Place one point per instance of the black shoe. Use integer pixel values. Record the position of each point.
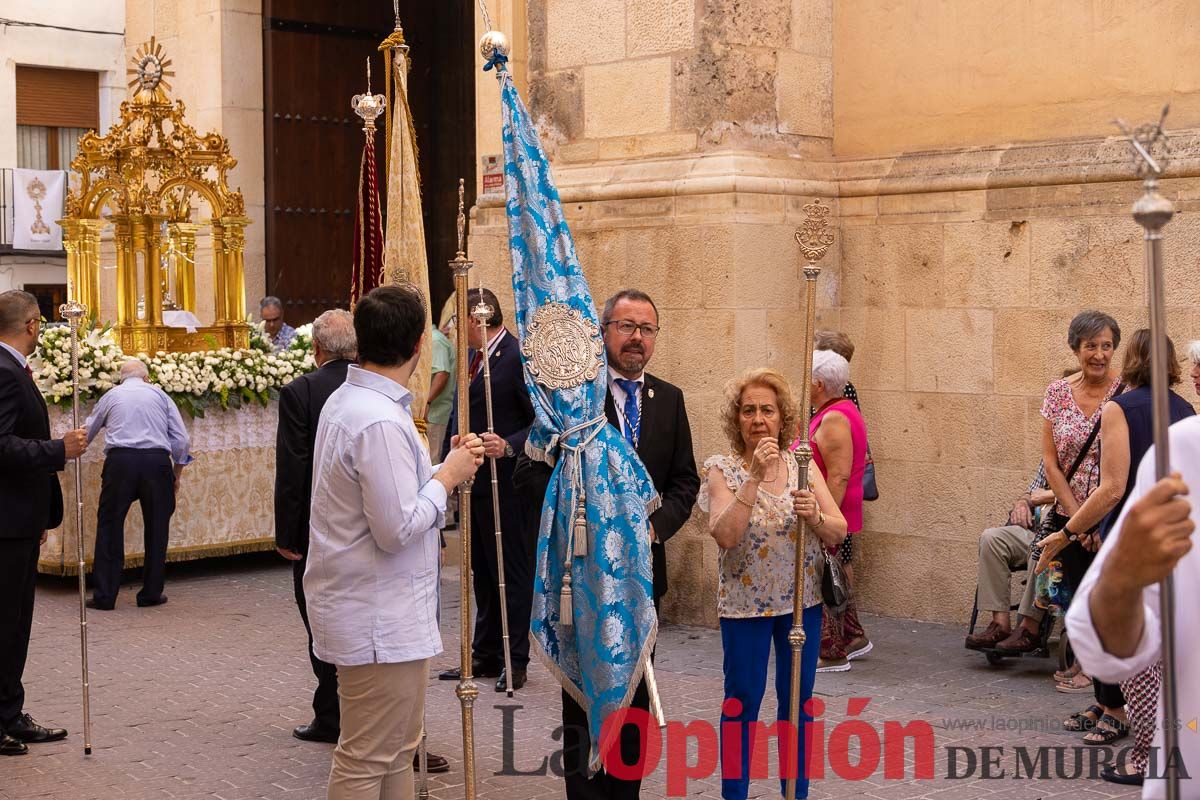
(28, 731)
(1113, 775)
(92, 604)
(12, 747)
(434, 764)
(315, 733)
(479, 669)
(519, 678)
(158, 601)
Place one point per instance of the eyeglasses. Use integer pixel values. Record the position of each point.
(626, 328)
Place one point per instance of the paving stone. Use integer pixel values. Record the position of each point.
(197, 699)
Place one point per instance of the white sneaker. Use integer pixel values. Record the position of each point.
(833, 665)
(859, 647)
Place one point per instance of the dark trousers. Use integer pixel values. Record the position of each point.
(577, 746)
(520, 547)
(147, 477)
(1108, 695)
(18, 575)
(326, 709)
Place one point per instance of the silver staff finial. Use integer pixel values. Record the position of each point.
(1150, 143)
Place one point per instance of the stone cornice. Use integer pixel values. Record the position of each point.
(1033, 164)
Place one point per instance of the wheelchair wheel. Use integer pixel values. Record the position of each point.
(993, 658)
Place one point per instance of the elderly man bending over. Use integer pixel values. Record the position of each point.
(145, 450)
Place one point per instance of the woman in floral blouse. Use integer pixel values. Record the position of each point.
(753, 500)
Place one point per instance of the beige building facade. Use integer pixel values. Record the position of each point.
(980, 195)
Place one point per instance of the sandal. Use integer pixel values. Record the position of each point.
(1064, 675)
(1080, 684)
(1115, 731)
(1083, 720)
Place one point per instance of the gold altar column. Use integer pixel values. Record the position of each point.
(150, 226)
(234, 267)
(184, 236)
(220, 291)
(126, 276)
(81, 240)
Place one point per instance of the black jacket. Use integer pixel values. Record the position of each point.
(665, 447)
(29, 490)
(300, 404)
(512, 412)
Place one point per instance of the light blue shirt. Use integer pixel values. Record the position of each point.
(371, 583)
(140, 416)
(20, 357)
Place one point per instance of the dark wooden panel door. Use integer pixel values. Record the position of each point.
(315, 55)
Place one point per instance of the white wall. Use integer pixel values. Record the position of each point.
(51, 47)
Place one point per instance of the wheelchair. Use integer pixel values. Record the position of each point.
(1059, 648)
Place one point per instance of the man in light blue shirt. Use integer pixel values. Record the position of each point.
(371, 582)
(146, 448)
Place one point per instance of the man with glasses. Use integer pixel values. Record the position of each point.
(650, 414)
(32, 501)
(278, 332)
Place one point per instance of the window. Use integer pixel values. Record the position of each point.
(54, 108)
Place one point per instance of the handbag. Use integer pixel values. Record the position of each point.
(835, 590)
(870, 489)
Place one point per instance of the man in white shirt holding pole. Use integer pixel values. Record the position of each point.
(1114, 622)
(372, 575)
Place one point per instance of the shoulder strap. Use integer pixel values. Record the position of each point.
(1087, 445)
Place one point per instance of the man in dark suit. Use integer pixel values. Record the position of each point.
(650, 414)
(300, 404)
(513, 414)
(32, 501)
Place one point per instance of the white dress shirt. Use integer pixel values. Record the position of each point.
(372, 577)
(140, 416)
(20, 357)
(1099, 663)
(618, 396)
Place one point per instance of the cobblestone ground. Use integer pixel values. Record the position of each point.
(197, 698)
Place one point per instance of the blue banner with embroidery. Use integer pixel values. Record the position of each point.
(593, 621)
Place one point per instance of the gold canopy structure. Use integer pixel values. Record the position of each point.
(145, 172)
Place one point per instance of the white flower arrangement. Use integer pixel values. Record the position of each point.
(225, 378)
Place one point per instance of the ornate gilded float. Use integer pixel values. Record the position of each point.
(145, 173)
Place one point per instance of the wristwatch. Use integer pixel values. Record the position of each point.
(508, 451)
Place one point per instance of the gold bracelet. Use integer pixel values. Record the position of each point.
(820, 519)
(738, 496)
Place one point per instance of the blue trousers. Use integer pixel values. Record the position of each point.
(747, 650)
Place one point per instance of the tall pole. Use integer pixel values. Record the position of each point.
(73, 312)
(467, 690)
(814, 239)
(482, 312)
(1153, 211)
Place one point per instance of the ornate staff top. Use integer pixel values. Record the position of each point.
(813, 235)
(1150, 143)
(462, 220)
(368, 106)
(73, 312)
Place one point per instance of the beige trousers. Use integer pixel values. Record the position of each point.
(435, 432)
(382, 709)
(1001, 550)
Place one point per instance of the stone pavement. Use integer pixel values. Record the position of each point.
(197, 698)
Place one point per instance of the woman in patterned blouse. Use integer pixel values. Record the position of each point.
(753, 501)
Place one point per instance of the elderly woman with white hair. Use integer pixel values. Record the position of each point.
(839, 441)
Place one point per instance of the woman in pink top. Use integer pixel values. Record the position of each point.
(839, 442)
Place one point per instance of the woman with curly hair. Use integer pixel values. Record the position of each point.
(754, 501)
